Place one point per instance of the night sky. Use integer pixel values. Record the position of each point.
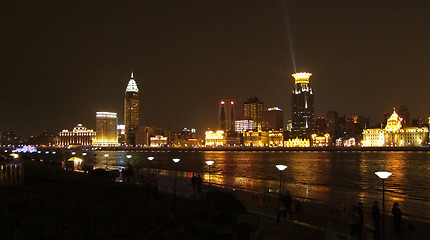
(62, 61)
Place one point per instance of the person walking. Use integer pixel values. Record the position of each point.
(199, 182)
(288, 204)
(376, 216)
(357, 220)
(397, 218)
(193, 182)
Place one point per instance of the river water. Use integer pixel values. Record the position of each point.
(343, 177)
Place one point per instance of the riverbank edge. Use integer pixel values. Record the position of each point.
(245, 149)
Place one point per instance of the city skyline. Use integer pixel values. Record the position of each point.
(63, 62)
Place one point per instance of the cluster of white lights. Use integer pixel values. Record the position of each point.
(106, 115)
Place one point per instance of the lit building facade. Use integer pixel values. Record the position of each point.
(226, 115)
(296, 142)
(158, 141)
(253, 109)
(131, 111)
(106, 129)
(302, 112)
(256, 138)
(276, 139)
(244, 125)
(395, 135)
(321, 141)
(215, 139)
(79, 136)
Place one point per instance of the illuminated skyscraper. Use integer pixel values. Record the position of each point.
(106, 129)
(253, 109)
(302, 111)
(131, 111)
(226, 115)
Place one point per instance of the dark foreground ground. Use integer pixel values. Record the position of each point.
(57, 204)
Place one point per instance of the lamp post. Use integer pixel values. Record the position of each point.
(209, 163)
(106, 157)
(281, 168)
(175, 160)
(150, 158)
(383, 175)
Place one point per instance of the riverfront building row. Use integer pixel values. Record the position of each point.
(395, 134)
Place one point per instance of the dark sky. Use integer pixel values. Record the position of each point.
(61, 61)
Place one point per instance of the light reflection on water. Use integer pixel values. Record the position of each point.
(337, 177)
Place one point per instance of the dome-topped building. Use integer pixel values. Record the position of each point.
(395, 134)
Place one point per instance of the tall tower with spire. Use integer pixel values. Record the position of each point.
(302, 109)
(131, 111)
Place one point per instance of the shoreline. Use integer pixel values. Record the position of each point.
(241, 149)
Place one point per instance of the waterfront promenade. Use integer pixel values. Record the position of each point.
(311, 219)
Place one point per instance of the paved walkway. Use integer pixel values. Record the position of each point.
(310, 220)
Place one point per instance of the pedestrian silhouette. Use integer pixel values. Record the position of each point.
(376, 216)
(193, 182)
(397, 218)
(357, 220)
(199, 182)
(286, 202)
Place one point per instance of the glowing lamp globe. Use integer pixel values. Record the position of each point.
(84, 154)
(383, 175)
(176, 160)
(150, 158)
(106, 155)
(73, 153)
(209, 163)
(281, 167)
(128, 156)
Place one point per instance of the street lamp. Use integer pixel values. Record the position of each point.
(106, 156)
(281, 168)
(383, 175)
(128, 156)
(209, 163)
(73, 153)
(84, 154)
(150, 158)
(176, 160)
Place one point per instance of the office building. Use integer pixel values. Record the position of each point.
(243, 125)
(302, 111)
(253, 109)
(106, 129)
(273, 119)
(131, 111)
